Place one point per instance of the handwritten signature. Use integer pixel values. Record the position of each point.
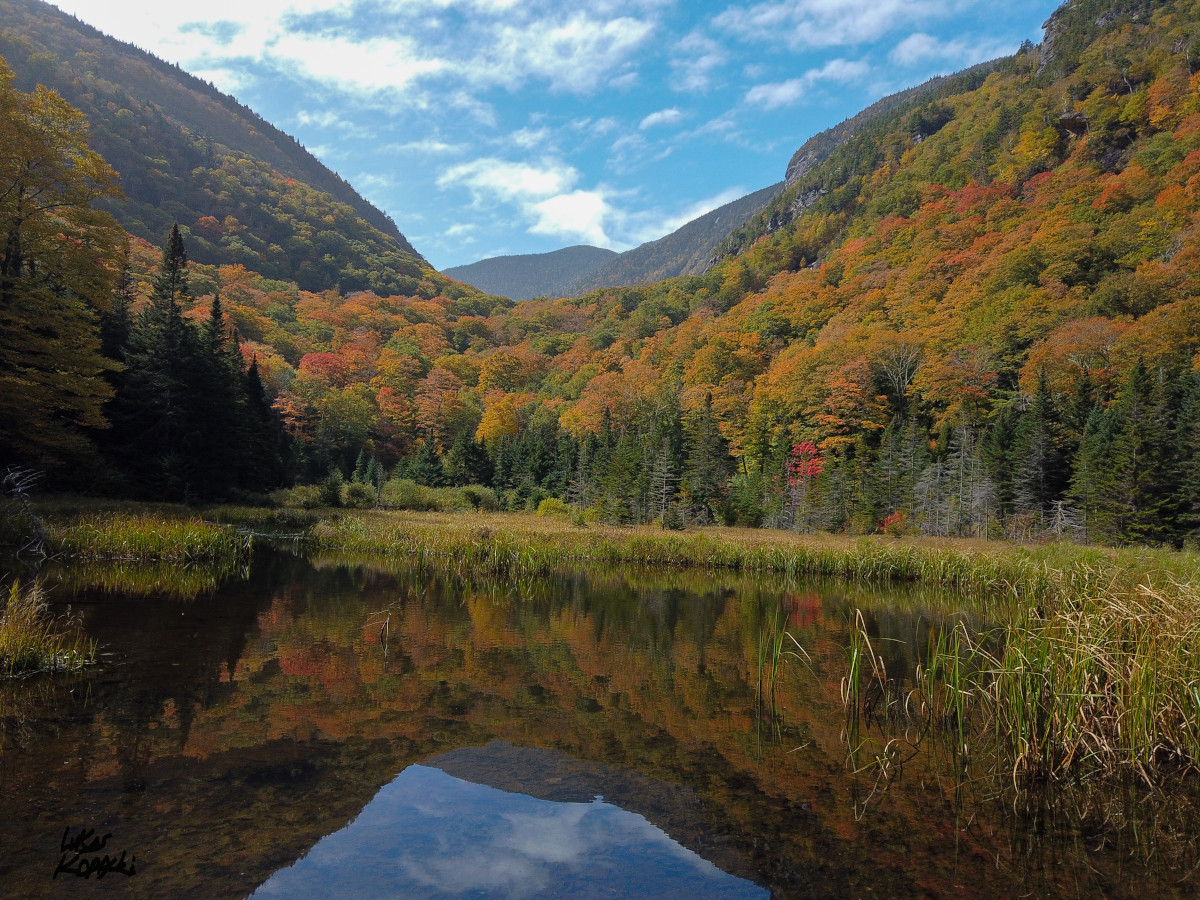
(82, 856)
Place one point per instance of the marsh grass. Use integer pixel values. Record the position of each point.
(180, 538)
(32, 640)
(1102, 682)
(516, 544)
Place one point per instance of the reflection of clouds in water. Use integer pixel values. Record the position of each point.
(430, 834)
(475, 870)
(557, 834)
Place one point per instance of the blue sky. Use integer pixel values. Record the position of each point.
(489, 127)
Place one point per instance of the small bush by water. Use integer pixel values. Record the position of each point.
(32, 640)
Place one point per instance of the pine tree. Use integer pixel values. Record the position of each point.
(426, 466)
(158, 390)
(218, 418)
(1187, 473)
(1142, 456)
(664, 482)
(1041, 473)
(262, 464)
(1092, 478)
(707, 464)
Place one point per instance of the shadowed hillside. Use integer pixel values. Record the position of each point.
(533, 274)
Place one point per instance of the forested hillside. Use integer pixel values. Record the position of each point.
(241, 190)
(978, 316)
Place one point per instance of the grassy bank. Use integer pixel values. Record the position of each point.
(514, 544)
(1094, 662)
(80, 528)
(146, 536)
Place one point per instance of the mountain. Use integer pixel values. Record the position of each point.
(575, 271)
(242, 190)
(532, 275)
(819, 147)
(685, 251)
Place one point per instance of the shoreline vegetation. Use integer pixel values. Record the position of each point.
(1093, 661)
(32, 640)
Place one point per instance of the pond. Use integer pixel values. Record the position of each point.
(333, 727)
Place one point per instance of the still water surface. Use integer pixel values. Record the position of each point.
(341, 728)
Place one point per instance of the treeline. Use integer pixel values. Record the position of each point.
(986, 325)
(1116, 464)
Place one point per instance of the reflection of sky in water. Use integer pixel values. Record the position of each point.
(427, 834)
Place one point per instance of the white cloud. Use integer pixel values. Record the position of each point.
(662, 117)
(693, 61)
(229, 80)
(544, 194)
(370, 66)
(596, 127)
(786, 93)
(428, 146)
(574, 55)
(826, 23)
(529, 138)
(508, 181)
(474, 43)
(920, 48)
(580, 214)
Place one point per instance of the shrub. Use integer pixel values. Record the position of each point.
(404, 493)
(331, 489)
(302, 496)
(552, 506)
(358, 495)
(480, 497)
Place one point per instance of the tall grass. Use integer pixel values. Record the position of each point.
(32, 640)
(513, 544)
(147, 536)
(1102, 681)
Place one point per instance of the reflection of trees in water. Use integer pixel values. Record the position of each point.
(282, 688)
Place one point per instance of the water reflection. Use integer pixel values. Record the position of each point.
(228, 735)
(430, 834)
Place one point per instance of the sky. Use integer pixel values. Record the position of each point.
(494, 127)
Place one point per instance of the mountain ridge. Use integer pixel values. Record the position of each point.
(527, 275)
(213, 158)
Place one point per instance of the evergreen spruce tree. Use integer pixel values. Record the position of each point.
(1187, 469)
(707, 464)
(1140, 499)
(426, 466)
(998, 452)
(219, 416)
(467, 462)
(664, 483)
(1092, 480)
(1041, 471)
(262, 459)
(157, 396)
